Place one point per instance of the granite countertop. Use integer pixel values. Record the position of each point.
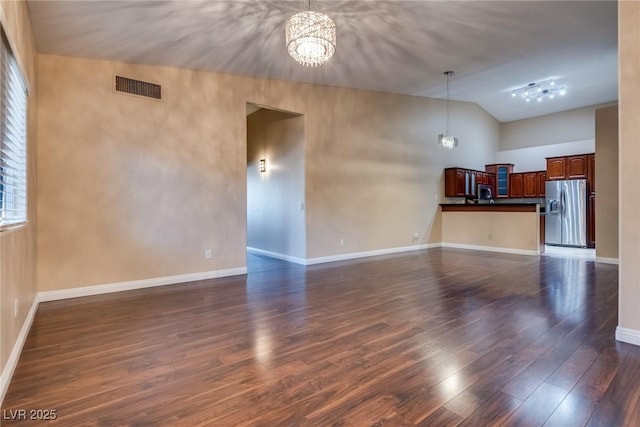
(491, 207)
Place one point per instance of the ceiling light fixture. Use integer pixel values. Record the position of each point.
(310, 37)
(539, 90)
(444, 139)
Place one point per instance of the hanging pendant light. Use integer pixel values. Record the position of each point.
(310, 37)
(444, 139)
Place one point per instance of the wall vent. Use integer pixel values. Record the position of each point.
(137, 87)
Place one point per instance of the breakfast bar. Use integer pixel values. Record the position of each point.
(499, 227)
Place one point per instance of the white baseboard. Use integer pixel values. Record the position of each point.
(355, 255)
(605, 260)
(630, 336)
(137, 284)
(12, 362)
(490, 249)
(277, 255)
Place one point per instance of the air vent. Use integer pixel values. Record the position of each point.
(137, 87)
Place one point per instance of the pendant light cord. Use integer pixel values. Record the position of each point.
(448, 74)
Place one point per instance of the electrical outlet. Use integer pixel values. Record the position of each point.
(416, 236)
(341, 242)
(15, 308)
(208, 254)
(302, 206)
(490, 236)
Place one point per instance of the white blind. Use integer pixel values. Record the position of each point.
(13, 145)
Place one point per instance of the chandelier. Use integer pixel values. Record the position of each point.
(310, 37)
(539, 90)
(444, 139)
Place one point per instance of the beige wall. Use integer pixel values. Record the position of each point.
(558, 128)
(505, 230)
(629, 156)
(606, 184)
(17, 247)
(133, 188)
(275, 220)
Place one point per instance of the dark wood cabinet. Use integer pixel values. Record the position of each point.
(454, 182)
(502, 172)
(516, 185)
(461, 182)
(568, 167)
(591, 172)
(484, 178)
(576, 166)
(492, 182)
(541, 178)
(556, 168)
(591, 221)
(530, 184)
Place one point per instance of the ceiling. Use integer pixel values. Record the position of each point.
(392, 46)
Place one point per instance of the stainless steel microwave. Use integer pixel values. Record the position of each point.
(484, 192)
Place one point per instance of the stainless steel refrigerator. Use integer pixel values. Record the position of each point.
(566, 213)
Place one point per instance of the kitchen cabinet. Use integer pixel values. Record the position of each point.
(556, 168)
(461, 182)
(516, 185)
(591, 172)
(502, 172)
(568, 167)
(541, 178)
(492, 183)
(455, 182)
(577, 166)
(530, 184)
(591, 221)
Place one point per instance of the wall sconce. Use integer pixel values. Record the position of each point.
(263, 165)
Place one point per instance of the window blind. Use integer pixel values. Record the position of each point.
(13, 143)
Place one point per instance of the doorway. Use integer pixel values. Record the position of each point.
(276, 222)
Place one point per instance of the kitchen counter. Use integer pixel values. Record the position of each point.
(500, 227)
(490, 207)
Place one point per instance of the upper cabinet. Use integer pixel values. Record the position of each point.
(577, 166)
(568, 167)
(527, 184)
(541, 178)
(591, 172)
(556, 168)
(516, 185)
(460, 182)
(502, 172)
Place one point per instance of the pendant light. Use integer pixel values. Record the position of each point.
(310, 37)
(444, 139)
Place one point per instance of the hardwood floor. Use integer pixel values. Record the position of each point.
(440, 337)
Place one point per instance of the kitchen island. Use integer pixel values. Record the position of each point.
(498, 227)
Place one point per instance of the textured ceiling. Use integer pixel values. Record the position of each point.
(393, 46)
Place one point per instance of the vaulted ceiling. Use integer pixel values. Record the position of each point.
(385, 45)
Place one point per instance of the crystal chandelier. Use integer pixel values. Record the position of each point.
(311, 37)
(539, 90)
(444, 139)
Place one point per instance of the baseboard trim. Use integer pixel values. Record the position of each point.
(137, 284)
(377, 252)
(490, 249)
(606, 260)
(630, 336)
(12, 361)
(277, 255)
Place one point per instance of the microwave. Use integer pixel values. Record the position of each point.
(484, 192)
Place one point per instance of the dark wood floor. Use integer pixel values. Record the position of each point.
(438, 337)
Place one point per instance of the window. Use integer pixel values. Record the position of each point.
(13, 142)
